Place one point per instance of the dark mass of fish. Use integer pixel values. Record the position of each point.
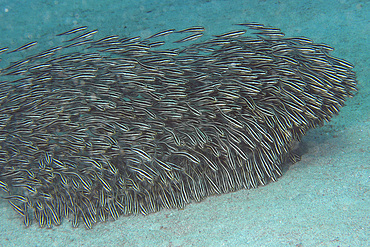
(94, 129)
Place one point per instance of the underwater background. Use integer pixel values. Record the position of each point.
(322, 200)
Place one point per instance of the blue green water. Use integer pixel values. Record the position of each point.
(323, 200)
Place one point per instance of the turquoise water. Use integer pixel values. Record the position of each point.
(323, 200)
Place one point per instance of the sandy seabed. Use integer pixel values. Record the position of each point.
(323, 200)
